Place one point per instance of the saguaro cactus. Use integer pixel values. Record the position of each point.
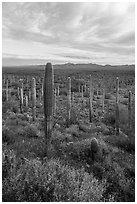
(69, 99)
(21, 100)
(55, 100)
(82, 92)
(103, 97)
(48, 97)
(26, 101)
(7, 90)
(85, 88)
(117, 106)
(34, 99)
(90, 99)
(73, 96)
(129, 110)
(58, 90)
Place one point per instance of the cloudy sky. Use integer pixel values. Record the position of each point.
(34, 33)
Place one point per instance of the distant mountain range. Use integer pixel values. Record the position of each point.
(69, 67)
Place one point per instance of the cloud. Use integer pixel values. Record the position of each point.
(77, 29)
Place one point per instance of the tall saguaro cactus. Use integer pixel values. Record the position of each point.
(103, 97)
(69, 99)
(58, 90)
(55, 100)
(48, 97)
(117, 106)
(129, 110)
(21, 100)
(90, 99)
(7, 90)
(34, 99)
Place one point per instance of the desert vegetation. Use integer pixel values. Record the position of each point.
(68, 135)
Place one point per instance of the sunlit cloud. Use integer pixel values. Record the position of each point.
(102, 33)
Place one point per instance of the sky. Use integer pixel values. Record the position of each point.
(68, 32)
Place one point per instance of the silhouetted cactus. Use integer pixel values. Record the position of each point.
(94, 147)
(117, 106)
(69, 100)
(58, 91)
(21, 100)
(129, 110)
(34, 99)
(48, 97)
(26, 101)
(90, 99)
(103, 97)
(7, 90)
(55, 101)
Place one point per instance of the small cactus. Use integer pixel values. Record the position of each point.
(7, 90)
(55, 101)
(34, 98)
(48, 97)
(117, 106)
(21, 100)
(129, 110)
(103, 97)
(90, 100)
(94, 148)
(69, 99)
(58, 91)
(26, 101)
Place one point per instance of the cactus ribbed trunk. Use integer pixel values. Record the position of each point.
(26, 101)
(103, 97)
(97, 91)
(85, 88)
(34, 99)
(129, 111)
(58, 90)
(55, 101)
(117, 106)
(69, 100)
(90, 100)
(79, 88)
(73, 96)
(7, 90)
(82, 92)
(48, 97)
(21, 100)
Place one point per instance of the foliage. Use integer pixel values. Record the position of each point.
(50, 182)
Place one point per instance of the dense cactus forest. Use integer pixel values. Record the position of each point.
(68, 134)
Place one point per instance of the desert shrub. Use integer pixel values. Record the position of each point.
(11, 105)
(73, 130)
(127, 144)
(58, 137)
(8, 161)
(7, 135)
(109, 118)
(63, 91)
(86, 94)
(51, 182)
(124, 101)
(107, 96)
(3, 96)
(29, 131)
(126, 95)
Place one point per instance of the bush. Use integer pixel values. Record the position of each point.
(51, 182)
(11, 105)
(29, 131)
(107, 96)
(63, 91)
(7, 135)
(8, 161)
